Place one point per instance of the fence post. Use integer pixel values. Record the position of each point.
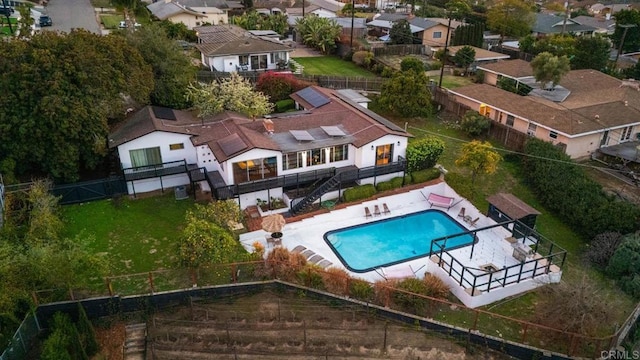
(234, 276)
(34, 296)
(109, 287)
(524, 332)
(475, 320)
(151, 281)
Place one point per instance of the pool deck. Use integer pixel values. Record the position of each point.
(492, 247)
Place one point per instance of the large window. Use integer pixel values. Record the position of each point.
(258, 62)
(531, 131)
(339, 153)
(145, 157)
(278, 56)
(255, 169)
(384, 154)
(626, 133)
(315, 157)
(244, 59)
(437, 34)
(510, 120)
(291, 160)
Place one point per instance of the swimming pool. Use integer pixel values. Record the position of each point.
(389, 241)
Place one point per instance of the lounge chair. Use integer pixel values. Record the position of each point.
(324, 263)
(461, 214)
(376, 210)
(308, 254)
(298, 249)
(367, 212)
(474, 221)
(385, 209)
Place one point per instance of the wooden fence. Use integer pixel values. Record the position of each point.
(416, 49)
(332, 82)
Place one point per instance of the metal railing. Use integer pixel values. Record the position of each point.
(151, 171)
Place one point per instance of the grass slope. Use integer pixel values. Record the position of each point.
(136, 236)
(330, 65)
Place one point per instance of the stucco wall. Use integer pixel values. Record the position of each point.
(192, 21)
(163, 140)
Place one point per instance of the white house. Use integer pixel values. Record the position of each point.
(330, 137)
(230, 48)
(192, 13)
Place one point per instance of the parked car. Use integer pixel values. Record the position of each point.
(123, 25)
(45, 20)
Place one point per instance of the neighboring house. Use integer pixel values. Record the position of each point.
(428, 31)
(332, 141)
(192, 13)
(601, 24)
(548, 24)
(482, 56)
(230, 48)
(515, 69)
(601, 9)
(359, 26)
(320, 8)
(589, 110)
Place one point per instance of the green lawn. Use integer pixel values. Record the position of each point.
(136, 236)
(452, 82)
(111, 21)
(331, 65)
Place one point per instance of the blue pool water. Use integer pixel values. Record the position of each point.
(365, 247)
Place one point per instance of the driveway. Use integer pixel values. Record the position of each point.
(72, 14)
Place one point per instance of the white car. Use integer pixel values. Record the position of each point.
(123, 25)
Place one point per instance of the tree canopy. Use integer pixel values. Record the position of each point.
(400, 33)
(407, 94)
(253, 20)
(464, 57)
(511, 18)
(549, 69)
(632, 38)
(319, 33)
(172, 69)
(58, 92)
(234, 94)
(479, 157)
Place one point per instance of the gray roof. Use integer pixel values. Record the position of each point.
(353, 95)
(220, 4)
(216, 34)
(599, 23)
(552, 24)
(163, 10)
(330, 5)
(358, 23)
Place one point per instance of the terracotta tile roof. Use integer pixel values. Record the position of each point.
(511, 205)
(360, 124)
(512, 68)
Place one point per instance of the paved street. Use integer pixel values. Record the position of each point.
(72, 14)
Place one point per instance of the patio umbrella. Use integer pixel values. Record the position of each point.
(273, 224)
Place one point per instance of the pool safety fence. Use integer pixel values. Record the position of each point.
(158, 289)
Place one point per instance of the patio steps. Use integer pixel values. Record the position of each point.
(298, 68)
(135, 343)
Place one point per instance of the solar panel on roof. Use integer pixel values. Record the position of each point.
(301, 135)
(333, 131)
(232, 144)
(163, 113)
(313, 97)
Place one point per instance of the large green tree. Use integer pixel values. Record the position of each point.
(234, 93)
(465, 57)
(400, 33)
(58, 92)
(511, 18)
(319, 33)
(591, 53)
(632, 37)
(479, 157)
(253, 20)
(407, 94)
(548, 69)
(172, 68)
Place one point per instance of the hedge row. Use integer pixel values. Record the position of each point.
(366, 191)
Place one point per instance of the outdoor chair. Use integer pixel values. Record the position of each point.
(473, 222)
(461, 214)
(376, 210)
(367, 212)
(385, 209)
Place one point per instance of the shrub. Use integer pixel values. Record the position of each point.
(311, 276)
(461, 183)
(359, 192)
(389, 185)
(425, 175)
(413, 64)
(475, 124)
(283, 264)
(278, 86)
(386, 72)
(435, 287)
(362, 58)
(383, 290)
(285, 105)
(336, 281)
(360, 289)
(435, 65)
(625, 265)
(424, 153)
(602, 248)
(411, 301)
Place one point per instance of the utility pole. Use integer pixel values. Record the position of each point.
(444, 56)
(624, 34)
(353, 13)
(566, 15)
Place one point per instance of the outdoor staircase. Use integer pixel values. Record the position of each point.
(315, 195)
(135, 342)
(298, 68)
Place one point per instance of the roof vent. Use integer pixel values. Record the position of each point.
(597, 116)
(269, 126)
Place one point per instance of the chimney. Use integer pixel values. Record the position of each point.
(268, 125)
